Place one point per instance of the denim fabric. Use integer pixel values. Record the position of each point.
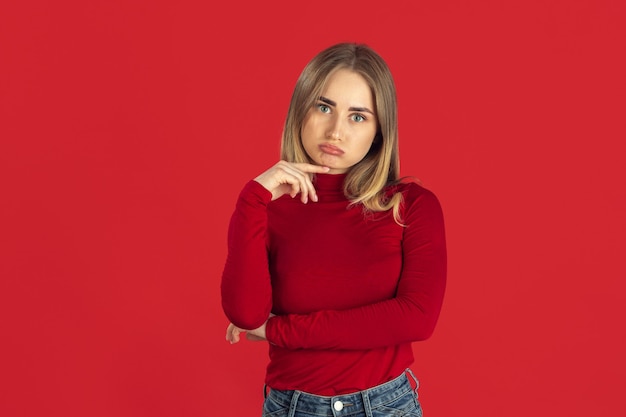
(395, 398)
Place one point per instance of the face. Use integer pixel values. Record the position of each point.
(339, 129)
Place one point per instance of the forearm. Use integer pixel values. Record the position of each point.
(408, 317)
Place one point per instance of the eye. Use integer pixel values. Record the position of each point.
(323, 108)
(358, 117)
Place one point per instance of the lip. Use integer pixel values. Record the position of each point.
(330, 149)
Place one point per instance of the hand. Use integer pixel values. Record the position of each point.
(233, 333)
(291, 178)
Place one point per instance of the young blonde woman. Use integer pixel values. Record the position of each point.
(333, 259)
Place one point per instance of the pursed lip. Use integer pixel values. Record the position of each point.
(330, 149)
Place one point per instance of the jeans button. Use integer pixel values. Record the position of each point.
(338, 406)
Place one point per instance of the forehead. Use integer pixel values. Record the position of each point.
(347, 87)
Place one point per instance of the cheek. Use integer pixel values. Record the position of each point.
(305, 135)
(366, 148)
(366, 141)
(310, 129)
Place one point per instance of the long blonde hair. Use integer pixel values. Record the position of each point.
(365, 182)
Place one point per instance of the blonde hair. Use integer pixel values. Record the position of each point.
(365, 182)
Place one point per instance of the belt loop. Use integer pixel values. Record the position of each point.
(417, 382)
(264, 391)
(294, 402)
(367, 407)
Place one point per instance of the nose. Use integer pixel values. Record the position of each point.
(335, 129)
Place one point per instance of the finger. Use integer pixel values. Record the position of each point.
(298, 180)
(291, 178)
(310, 168)
(287, 174)
(229, 332)
(232, 333)
(235, 336)
(302, 173)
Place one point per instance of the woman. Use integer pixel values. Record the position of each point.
(343, 278)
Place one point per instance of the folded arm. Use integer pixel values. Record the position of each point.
(410, 316)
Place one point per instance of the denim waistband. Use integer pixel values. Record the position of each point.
(347, 404)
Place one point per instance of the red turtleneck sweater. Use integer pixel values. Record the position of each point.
(350, 290)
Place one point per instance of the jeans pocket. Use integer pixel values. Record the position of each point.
(404, 406)
(272, 408)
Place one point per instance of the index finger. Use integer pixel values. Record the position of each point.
(310, 168)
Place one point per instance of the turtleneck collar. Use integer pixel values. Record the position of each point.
(329, 185)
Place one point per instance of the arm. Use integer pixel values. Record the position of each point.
(410, 316)
(246, 285)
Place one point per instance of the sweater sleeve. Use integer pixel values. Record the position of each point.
(410, 316)
(246, 287)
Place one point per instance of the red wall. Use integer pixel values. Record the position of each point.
(128, 128)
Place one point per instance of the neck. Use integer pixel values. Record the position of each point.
(329, 184)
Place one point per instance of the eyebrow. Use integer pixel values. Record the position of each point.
(332, 103)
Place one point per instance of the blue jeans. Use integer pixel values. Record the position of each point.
(395, 398)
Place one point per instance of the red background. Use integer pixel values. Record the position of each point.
(128, 128)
